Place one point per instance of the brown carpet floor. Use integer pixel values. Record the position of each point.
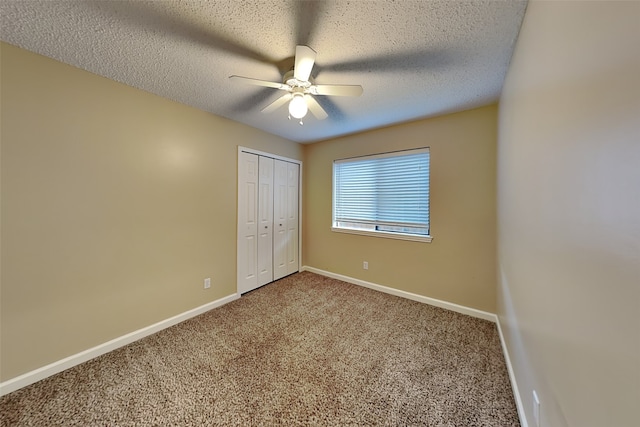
(306, 350)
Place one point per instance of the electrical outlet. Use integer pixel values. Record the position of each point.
(536, 409)
(365, 265)
(207, 283)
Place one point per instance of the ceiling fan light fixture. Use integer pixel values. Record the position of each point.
(298, 106)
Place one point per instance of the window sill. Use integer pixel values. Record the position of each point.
(383, 234)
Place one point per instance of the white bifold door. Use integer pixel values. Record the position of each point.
(267, 220)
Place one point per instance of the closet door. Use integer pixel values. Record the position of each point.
(280, 217)
(293, 179)
(285, 240)
(247, 222)
(265, 221)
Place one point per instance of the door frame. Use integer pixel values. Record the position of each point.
(242, 149)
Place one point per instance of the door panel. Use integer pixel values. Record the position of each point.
(293, 179)
(265, 221)
(247, 222)
(280, 220)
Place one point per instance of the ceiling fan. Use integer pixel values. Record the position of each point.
(300, 88)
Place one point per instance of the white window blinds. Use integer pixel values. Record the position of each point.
(385, 193)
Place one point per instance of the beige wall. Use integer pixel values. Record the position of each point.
(459, 265)
(116, 204)
(569, 212)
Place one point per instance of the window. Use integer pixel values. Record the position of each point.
(385, 195)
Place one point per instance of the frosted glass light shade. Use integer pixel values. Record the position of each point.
(298, 107)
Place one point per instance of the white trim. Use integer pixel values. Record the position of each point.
(512, 377)
(78, 358)
(386, 155)
(265, 154)
(387, 235)
(415, 297)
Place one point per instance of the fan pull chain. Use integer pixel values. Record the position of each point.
(301, 124)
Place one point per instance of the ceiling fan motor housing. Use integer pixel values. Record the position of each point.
(290, 80)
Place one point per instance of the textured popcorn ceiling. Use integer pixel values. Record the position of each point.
(414, 59)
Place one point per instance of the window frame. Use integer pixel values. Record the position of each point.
(427, 238)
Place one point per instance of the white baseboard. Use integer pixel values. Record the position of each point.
(415, 297)
(76, 359)
(512, 377)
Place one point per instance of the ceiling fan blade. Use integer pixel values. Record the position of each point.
(260, 82)
(336, 90)
(399, 61)
(259, 96)
(307, 16)
(315, 108)
(305, 58)
(156, 16)
(277, 103)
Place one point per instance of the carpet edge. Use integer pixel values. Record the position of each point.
(41, 373)
(473, 312)
(492, 317)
